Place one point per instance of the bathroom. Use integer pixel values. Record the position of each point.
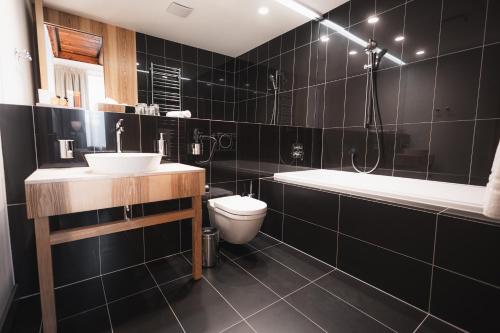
(346, 153)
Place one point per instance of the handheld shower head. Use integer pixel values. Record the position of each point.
(273, 81)
(379, 56)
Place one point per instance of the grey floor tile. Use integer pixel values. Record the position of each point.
(24, 316)
(433, 325)
(331, 313)
(281, 317)
(198, 306)
(274, 275)
(127, 282)
(170, 268)
(389, 310)
(144, 312)
(95, 321)
(240, 328)
(243, 291)
(299, 262)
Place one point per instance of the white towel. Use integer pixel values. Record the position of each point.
(179, 114)
(491, 207)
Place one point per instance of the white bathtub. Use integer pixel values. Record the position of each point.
(447, 195)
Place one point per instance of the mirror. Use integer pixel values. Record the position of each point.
(75, 68)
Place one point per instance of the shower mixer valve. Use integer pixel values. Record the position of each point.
(297, 152)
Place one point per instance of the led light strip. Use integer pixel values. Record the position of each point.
(311, 14)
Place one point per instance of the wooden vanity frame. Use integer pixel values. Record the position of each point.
(45, 199)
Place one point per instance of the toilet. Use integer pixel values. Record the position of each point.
(237, 218)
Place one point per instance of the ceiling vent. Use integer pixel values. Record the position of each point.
(179, 10)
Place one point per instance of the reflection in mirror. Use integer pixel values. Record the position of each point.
(75, 68)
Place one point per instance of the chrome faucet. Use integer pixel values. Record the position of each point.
(119, 130)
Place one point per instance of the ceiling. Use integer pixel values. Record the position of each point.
(230, 27)
(74, 45)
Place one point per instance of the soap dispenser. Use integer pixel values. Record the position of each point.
(162, 145)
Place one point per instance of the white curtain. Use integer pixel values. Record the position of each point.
(73, 79)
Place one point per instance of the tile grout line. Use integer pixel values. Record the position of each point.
(277, 301)
(224, 298)
(278, 295)
(166, 300)
(399, 94)
(433, 262)
(354, 307)
(107, 306)
(421, 323)
(434, 91)
(478, 90)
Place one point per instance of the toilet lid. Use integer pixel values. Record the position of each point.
(238, 205)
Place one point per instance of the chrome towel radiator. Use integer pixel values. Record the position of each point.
(166, 88)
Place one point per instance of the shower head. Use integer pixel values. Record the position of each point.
(273, 81)
(379, 56)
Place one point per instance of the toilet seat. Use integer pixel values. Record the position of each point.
(239, 206)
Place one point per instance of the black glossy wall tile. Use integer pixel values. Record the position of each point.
(405, 278)
(154, 45)
(334, 104)
(336, 55)
(422, 25)
(447, 164)
(489, 99)
(412, 147)
(106, 123)
(386, 142)
(361, 10)
(323, 206)
(18, 163)
(273, 224)
(89, 294)
(355, 101)
(161, 240)
(272, 194)
(457, 72)
(417, 91)
(462, 25)
(486, 138)
(22, 239)
(269, 149)
(353, 142)
(468, 248)
(332, 148)
(248, 151)
(223, 165)
(408, 231)
(288, 138)
(492, 26)
(53, 124)
(316, 241)
(464, 302)
(311, 140)
(122, 249)
(84, 252)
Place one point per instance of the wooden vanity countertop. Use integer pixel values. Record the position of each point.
(52, 192)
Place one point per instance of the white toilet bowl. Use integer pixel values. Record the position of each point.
(237, 218)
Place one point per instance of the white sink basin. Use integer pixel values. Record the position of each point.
(123, 163)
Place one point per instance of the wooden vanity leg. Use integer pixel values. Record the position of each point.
(45, 274)
(196, 237)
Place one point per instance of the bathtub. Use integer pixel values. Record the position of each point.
(447, 195)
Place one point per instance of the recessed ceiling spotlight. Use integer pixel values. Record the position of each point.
(263, 10)
(399, 38)
(353, 52)
(324, 38)
(373, 19)
(420, 52)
